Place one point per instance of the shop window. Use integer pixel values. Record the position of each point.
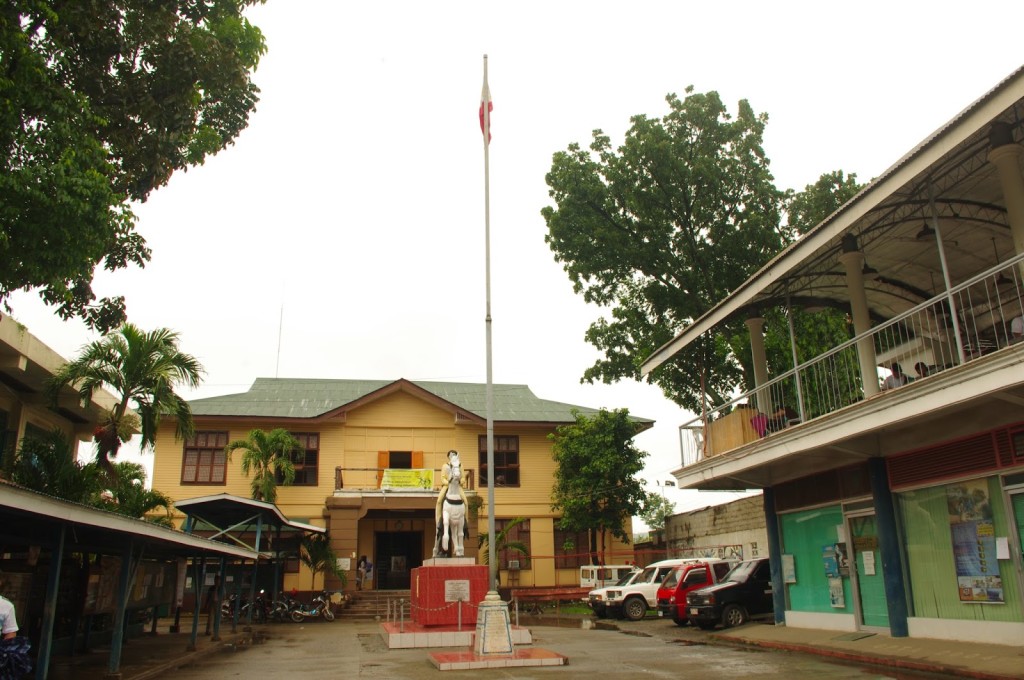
(805, 535)
(949, 536)
(204, 460)
(506, 460)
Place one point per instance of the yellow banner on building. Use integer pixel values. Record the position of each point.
(395, 478)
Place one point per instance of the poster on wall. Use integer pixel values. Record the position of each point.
(828, 557)
(788, 569)
(835, 593)
(974, 542)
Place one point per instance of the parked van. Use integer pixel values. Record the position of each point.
(598, 576)
(685, 578)
(634, 599)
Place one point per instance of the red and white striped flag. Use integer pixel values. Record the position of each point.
(486, 106)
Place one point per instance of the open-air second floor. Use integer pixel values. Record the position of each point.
(925, 267)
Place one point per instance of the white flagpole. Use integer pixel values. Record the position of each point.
(485, 103)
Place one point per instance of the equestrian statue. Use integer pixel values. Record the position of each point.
(450, 512)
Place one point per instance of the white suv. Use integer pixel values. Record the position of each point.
(633, 599)
(598, 598)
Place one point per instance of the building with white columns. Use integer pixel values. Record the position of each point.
(893, 499)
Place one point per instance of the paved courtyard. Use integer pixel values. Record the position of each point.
(649, 649)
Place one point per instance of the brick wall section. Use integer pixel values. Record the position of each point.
(735, 530)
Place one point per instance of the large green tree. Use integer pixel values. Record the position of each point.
(662, 227)
(267, 456)
(596, 466)
(100, 102)
(666, 225)
(141, 369)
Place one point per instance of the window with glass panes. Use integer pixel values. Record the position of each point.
(520, 533)
(205, 461)
(306, 460)
(572, 549)
(506, 460)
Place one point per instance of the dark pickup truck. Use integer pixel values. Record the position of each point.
(745, 592)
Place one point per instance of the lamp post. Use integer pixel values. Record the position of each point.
(664, 518)
(662, 485)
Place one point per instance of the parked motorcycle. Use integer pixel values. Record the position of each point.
(259, 611)
(321, 606)
(279, 610)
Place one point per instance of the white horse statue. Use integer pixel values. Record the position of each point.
(451, 510)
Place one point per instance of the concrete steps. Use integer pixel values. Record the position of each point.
(370, 605)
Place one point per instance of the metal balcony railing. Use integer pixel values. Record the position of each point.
(369, 479)
(973, 319)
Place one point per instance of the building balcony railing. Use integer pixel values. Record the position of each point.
(973, 319)
(373, 479)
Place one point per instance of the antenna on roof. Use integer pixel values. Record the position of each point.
(280, 324)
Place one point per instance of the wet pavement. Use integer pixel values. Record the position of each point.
(651, 648)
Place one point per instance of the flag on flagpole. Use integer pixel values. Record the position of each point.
(485, 101)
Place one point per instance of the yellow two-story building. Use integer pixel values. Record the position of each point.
(370, 471)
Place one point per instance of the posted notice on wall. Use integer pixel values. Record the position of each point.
(869, 562)
(974, 542)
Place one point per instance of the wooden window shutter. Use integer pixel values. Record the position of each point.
(383, 461)
(417, 460)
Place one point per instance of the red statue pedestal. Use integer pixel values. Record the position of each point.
(445, 585)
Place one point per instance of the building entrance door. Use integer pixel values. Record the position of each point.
(397, 554)
(869, 585)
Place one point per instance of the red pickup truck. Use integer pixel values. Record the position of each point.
(683, 579)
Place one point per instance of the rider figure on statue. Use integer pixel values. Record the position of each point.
(450, 471)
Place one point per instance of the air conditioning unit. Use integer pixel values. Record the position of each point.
(513, 564)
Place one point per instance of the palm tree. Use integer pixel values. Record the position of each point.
(267, 456)
(47, 464)
(502, 542)
(141, 369)
(317, 554)
(129, 495)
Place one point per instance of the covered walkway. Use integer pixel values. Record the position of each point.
(75, 573)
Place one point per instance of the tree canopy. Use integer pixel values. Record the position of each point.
(596, 488)
(129, 495)
(47, 463)
(666, 225)
(657, 509)
(267, 456)
(142, 369)
(102, 102)
(316, 553)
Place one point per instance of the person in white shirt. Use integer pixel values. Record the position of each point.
(8, 621)
(897, 379)
(1017, 329)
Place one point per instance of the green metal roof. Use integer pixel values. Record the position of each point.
(312, 398)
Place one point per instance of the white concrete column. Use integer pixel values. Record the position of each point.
(755, 326)
(1007, 156)
(853, 262)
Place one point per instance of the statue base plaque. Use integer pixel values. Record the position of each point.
(493, 628)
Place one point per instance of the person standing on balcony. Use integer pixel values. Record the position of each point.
(1017, 330)
(922, 370)
(897, 379)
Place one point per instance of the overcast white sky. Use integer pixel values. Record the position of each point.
(355, 197)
